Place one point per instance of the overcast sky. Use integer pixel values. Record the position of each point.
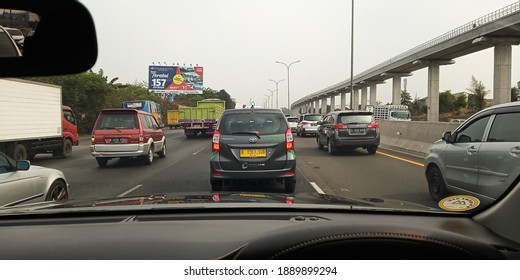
(238, 41)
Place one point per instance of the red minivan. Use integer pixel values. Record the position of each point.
(126, 133)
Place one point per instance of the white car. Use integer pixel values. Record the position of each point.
(293, 123)
(16, 34)
(20, 182)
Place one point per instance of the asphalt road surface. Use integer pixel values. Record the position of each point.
(387, 175)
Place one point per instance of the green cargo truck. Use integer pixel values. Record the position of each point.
(201, 119)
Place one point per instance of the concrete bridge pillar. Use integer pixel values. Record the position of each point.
(324, 106)
(364, 98)
(355, 99)
(373, 94)
(332, 102)
(502, 74)
(343, 100)
(396, 90)
(433, 93)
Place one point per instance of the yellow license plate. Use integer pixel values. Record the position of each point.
(253, 153)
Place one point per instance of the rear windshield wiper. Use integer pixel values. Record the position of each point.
(247, 133)
(107, 127)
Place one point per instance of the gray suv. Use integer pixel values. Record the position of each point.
(480, 158)
(253, 144)
(348, 130)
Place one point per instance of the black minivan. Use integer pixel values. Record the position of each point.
(348, 130)
(253, 144)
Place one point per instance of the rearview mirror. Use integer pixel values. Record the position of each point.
(64, 39)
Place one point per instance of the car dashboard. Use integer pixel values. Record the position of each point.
(249, 234)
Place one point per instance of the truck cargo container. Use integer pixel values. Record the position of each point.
(33, 120)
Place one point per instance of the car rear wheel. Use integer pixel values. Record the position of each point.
(162, 153)
(331, 150)
(216, 185)
(289, 185)
(148, 159)
(57, 191)
(372, 150)
(436, 184)
(102, 162)
(320, 146)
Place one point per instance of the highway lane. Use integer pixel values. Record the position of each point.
(356, 174)
(186, 170)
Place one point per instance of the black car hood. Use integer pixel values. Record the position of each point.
(227, 200)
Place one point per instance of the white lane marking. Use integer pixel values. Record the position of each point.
(199, 151)
(130, 190)
(318, 189)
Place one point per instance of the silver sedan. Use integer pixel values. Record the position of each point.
(20, 183)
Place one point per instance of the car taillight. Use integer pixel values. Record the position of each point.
(304, 123)
(340, 126)
(289, 140)
(373, 125)
(141, 138)
(93, 139)
(215, 147)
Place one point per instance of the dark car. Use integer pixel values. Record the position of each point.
(348, 130)
(125, 133)
(253, 144)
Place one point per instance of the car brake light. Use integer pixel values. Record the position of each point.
(215, 147)
(93, 139)
(304, 123)
(289, 140)
(141, 138)
(373, 125)
(340, 126)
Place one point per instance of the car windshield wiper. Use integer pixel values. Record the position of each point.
(248, 133)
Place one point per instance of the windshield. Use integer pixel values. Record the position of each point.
(401, 115)
(312, 118)
(193, 61)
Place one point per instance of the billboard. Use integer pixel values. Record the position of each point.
(175, 79)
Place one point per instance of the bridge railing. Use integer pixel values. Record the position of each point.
(496, 15)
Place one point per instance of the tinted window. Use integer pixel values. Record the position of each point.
(5, 165)
(7, 48)
(474, 132)
(118, 121)
(312, 118)
(506, 128)
(261, 123)
(348, 119)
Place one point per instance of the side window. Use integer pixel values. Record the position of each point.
(5, 165)
(474, 132)
(153, 122)
(505, 128)
(145, 121)
(69, 116)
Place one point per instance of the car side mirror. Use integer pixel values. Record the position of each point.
(22, 165)
(318, 123)
(446, 136)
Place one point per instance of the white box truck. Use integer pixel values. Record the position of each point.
(33, 120)
(390, 112)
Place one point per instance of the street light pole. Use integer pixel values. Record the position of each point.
(276, 82)
(272, 93)
(352, 61)
(288, 83)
